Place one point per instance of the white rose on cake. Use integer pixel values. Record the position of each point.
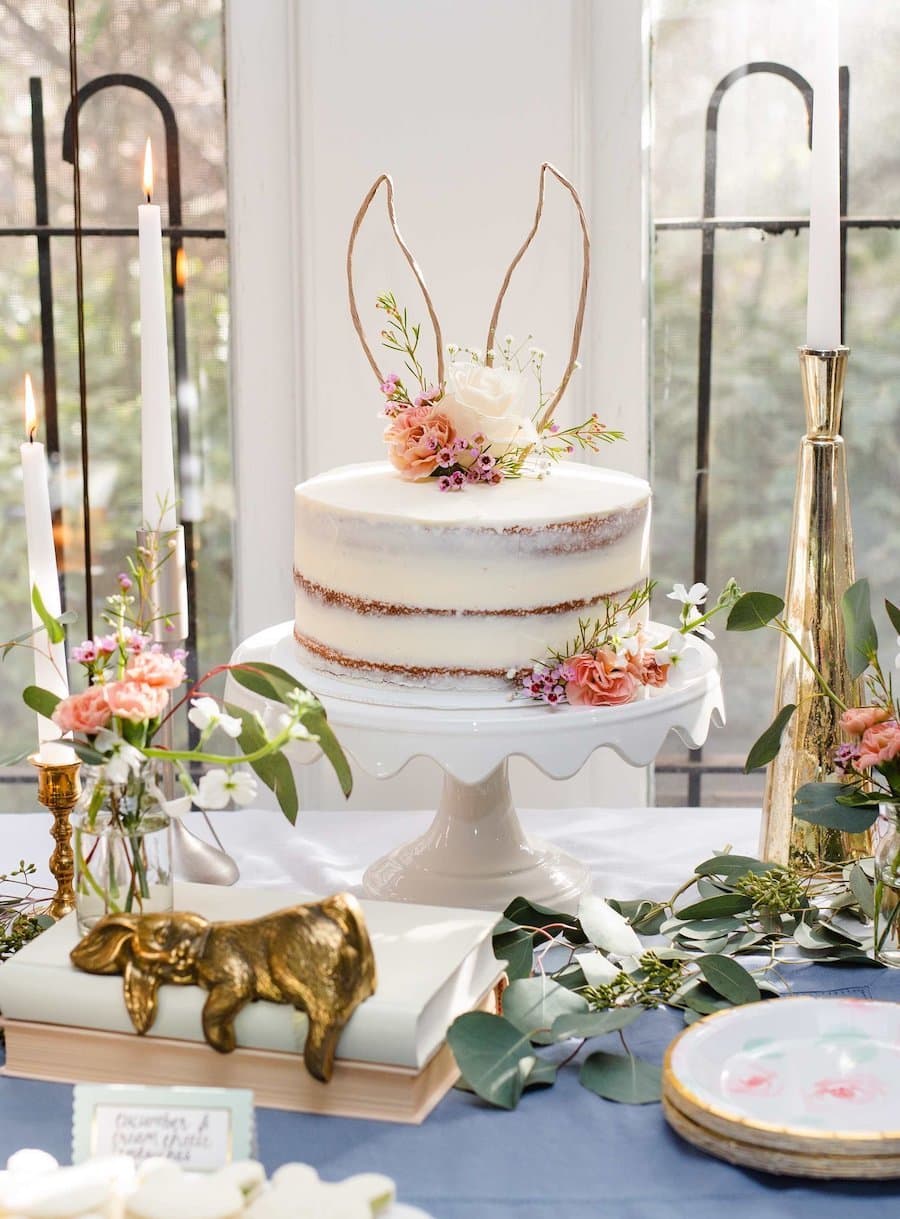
(489, 401)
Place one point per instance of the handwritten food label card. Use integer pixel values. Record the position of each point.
(201, 1129)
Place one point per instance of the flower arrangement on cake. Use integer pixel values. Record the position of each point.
(475, 426)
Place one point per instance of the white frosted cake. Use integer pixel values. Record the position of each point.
(394, 581)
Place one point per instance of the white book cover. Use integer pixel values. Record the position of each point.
(432, 964)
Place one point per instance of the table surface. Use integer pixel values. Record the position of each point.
(564, 1152)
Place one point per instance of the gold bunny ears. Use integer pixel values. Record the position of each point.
(546, 168)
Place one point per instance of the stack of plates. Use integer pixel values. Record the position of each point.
(804, 1086)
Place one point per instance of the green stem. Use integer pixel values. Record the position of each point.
(782, 626)
(218, 759)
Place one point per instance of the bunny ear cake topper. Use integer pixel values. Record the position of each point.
(471, 423)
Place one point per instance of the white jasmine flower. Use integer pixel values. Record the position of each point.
(218, 787)
(206, 714)
(695, 595)
(452, 348)
(123, 760)
(298, 731)
(672, 650)
(607, 929)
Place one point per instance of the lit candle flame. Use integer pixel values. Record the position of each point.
(180, 267)
(148, 171)
(30, 409)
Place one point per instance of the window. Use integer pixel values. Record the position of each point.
(179, 50)
(759, 298)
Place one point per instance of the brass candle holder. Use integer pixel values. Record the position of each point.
(58, 790)
(820, 570)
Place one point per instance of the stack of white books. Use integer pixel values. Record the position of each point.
(393, 1062)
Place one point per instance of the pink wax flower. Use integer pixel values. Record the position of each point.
(415, 439)
(107, 644)
(428, 396)
(85, 653)
(600, 680)
(134, 641)
(156, 669)
(125, 582)
(136, 700)
(858, 719)
(85, 712)
(880, 744)
(389, 384)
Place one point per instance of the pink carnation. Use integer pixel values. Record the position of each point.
(85, 712)
(858, 719)
(651, 672)
(156, 669)
(136, 700)
(880, 744)
(600, 680)
(414, 439)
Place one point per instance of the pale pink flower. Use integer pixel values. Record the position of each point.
(600, 680)
(156, 669)
(414, 438)
(858, 719)
(85, 712)
(136, 700)
(879, 744)
(762, 1081)
(85, 653)
(857, 1089)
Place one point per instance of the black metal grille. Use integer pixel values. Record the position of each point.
(709, 223)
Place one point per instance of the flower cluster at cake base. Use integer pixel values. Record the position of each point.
(612, 660)
(474, 427)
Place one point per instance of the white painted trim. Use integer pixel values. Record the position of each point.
(264, 263)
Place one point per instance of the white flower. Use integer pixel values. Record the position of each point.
(704, 631)
(695, 595)
(206, 714)
(488, 400)
(217, 787)
(123, 760)
(607, 929)
(298, 731)
(672, 651)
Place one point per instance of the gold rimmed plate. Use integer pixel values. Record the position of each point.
(810, 1075)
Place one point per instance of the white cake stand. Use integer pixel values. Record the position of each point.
(476, 853)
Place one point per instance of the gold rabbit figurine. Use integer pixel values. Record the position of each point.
(317, 957)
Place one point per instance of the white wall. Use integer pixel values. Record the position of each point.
(460, 100)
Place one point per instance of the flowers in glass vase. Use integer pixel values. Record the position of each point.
(613, 659)
(134, 686)
(477, 426)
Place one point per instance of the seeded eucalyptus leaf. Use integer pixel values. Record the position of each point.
(731, 866)
(91, 757)
(594, 1024)
(821, 804)
(622, 1078)
(767, 746)
(893, 614)
(702, 998)
(709, 929)
(863, 890)
(55, 633)
(859, 628)
(266, 680)
(606, 928)
(729, 979)
(542, 1073)
(645, 916)
(571, 977)
(316, 722)
(532, 914)
(753, 611)
(715, 907)
(532, 1005)
(40, 700)
(494, 1057)
(516, 948)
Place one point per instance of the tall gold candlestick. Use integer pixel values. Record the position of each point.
(820, 570)
(58, 790)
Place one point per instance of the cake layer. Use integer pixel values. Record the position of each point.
(402, 579)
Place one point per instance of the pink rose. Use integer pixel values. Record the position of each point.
(86, 712)
(156, 669)
(651, 672)
(600, 680)
(414, 439)
(858, 719)
(136, 700)
(879, 744)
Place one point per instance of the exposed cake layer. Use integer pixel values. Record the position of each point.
(399, 578)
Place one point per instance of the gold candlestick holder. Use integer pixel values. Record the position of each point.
(820, 570)
(58, 790)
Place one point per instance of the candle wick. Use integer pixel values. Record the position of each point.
(148, 196)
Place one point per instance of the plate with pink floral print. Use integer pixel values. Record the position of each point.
(819, 1075)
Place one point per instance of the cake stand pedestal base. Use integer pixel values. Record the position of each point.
(476, 854)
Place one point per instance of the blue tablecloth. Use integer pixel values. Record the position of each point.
(563, 1154)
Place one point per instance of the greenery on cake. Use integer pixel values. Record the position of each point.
(476, 426)
(612, 660)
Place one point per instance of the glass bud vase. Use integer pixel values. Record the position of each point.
(887, 887)
(121, 868)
